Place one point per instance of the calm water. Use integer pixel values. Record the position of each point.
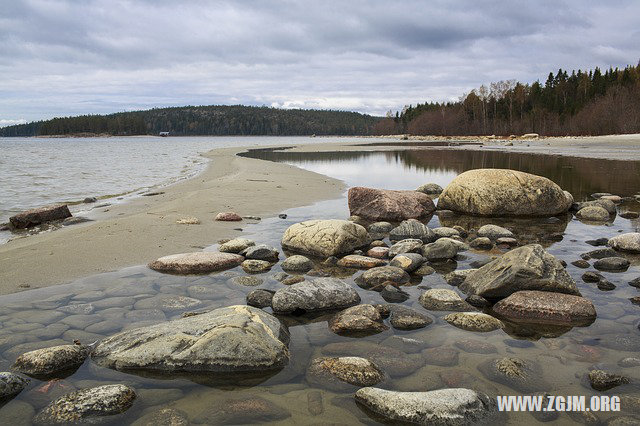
(36, 318)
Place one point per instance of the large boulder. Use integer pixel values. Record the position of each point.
(315, 295)
(231, 339)
(543, 307)
(87, 406)
(387, 205)
(524, 268)
(626, 242)
(203, 262)
(325, 237)
(501, 192)
(450, 407)
(33, 217)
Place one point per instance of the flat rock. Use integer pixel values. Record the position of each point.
(340, 373)
(612, 264)
(246, 280)
(407, 261)
(542, 307)
(34, 217)
(325, 237)
(412, 229)
(524, 268)
(167, 303)
(501, 192)
(378, 252)
(629, 242)
(315, 295)
(493, 232)
(87, 405)
(232, 339)
(475, 346)
(357, 319)
(11, 384)
(203, 262)
(374, 278)
(474, 321)
(236, 245)
(456, 406)
(56, 361)
(387, 205)
(404, 318)
(442, 356)
(441, 299)
(360, 262)
(297, 263)
(392, 361)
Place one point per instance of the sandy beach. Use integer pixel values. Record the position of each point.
(145, 228)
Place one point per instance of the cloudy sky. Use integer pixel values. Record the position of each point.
(68, 57)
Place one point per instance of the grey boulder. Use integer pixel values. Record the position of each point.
(52, 362)
(413, 229)
(325, 237)
(314, 295)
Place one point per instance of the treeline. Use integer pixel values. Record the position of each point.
(580, 103)
(206, 120)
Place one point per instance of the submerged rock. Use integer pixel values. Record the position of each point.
(87, 405)
(501, 192)
(242, 410)
(11, 384)
(542, 307)
(315, 295)
(602, 380)
(440, 299)
(412, 229)
(342, 373)
(404, 318)
(626, 242)
(392, 361)
(524, 268)
(387, 205)
(34, 217)
(196, 263)
(521, 375)
(445, 407)
(357, 319)
(325, 237)
(231, 339)
(474, 321)
(57, 361)
(163, 417)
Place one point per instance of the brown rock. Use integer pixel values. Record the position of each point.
(360, 262)
(360, 318)
(228, 217)
(34, 217)
(541, 307)
(378, 252)
(340, 372)
(387, 205)
(196, 263)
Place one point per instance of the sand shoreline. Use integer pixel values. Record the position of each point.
(144, 228)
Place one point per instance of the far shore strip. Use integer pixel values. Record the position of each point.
(145, 228)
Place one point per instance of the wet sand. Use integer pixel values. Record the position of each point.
(145, 228)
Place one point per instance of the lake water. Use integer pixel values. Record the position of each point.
(37, 318)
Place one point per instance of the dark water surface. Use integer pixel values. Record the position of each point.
(36, 318)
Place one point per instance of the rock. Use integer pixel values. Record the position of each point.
(439, 299)
(506, 241)
(493, 232)
(387, 205)
(629, 242)
(501, 192)
(403, 318)
(293, 279)
(360, 262)
(530, 136)
(635, 282)
(476, 346)
(378, 252)
(412, 229)
(282, 216)
(608, 205)
(392, 361)
(163, 417)
(228, 217)
(260, 298)
(261, 252)
(602, 380)
(456, 406)
(445, 232)
(481, 243)
(439, 250)
(457, 277)
(90, 200)
(409, 245)
(357, 319)
(34, 217)
(373, 278)
(605, 285)
(442, 356)
(630, 215)
(232, 339)
(165, 302)
(593, 213)
(591, 277)
(598, 242)
(196, 263)
(57, 361)
(612, 264)
(87, 405)
(380, 229)
(247, 281)
(477, 301)
(78, 308)
(407, 261)
(616, 199)
(430, 189)
(253, 266)
(583, 264)
(474, 321)
(236, 245)
(315, 295)
(297, 263)
(325, 237)
(424, 270)
(11, 384)
(188, 221)
(393, 294)
(342, 373)
(521, 375)
(629, 362)
(524, 268)
(242, 410)
(543, 307)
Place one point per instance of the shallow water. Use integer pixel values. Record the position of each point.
(36, 318)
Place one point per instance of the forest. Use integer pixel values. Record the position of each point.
(580, 103)
(235, 120)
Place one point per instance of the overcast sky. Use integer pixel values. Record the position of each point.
(68, 57)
